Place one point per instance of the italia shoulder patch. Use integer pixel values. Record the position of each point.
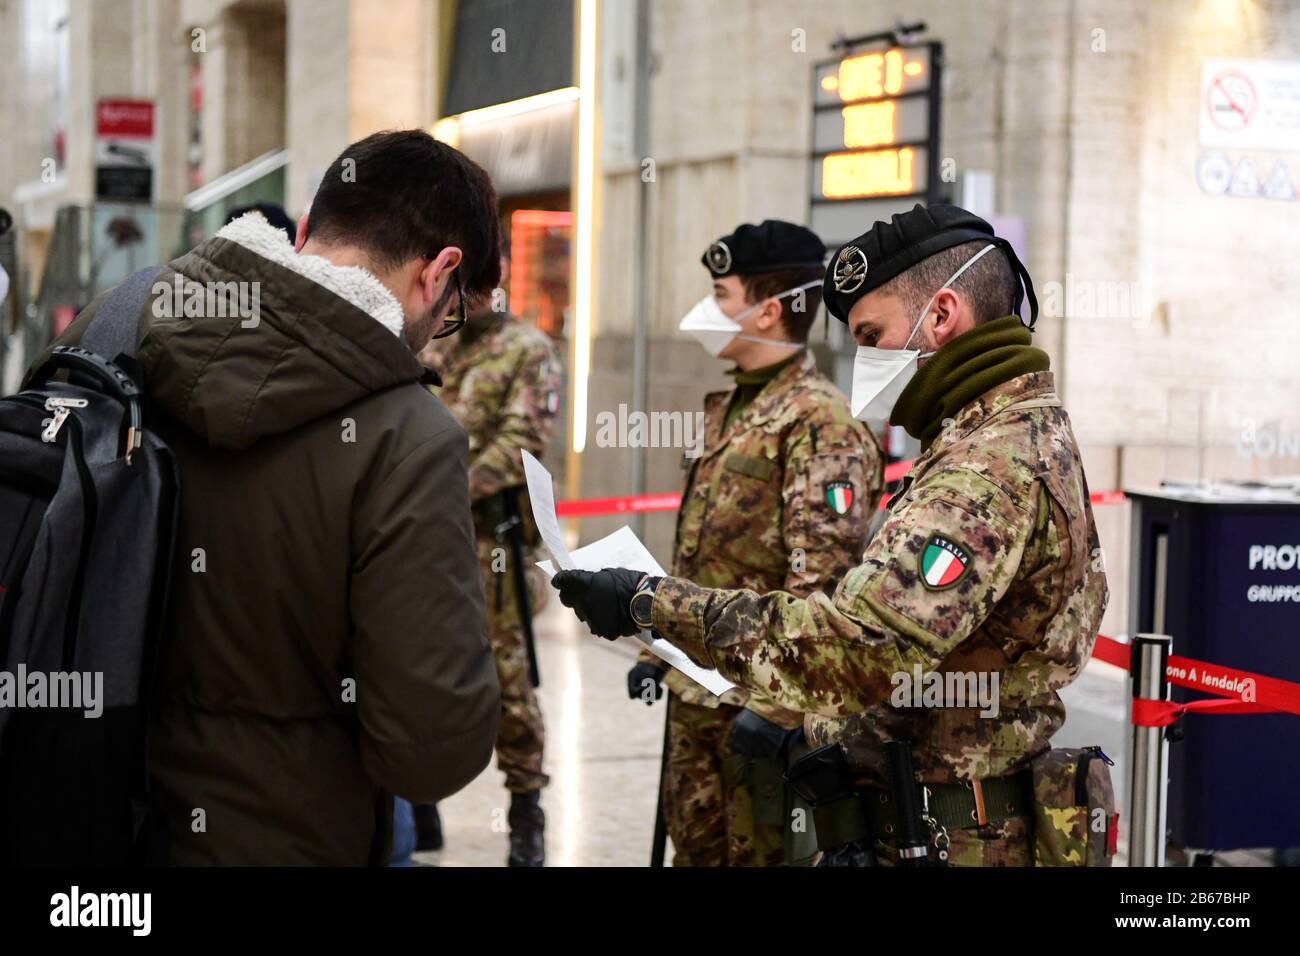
(943, 563)
(839, 496)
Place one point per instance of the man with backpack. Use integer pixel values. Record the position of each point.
(323, 647)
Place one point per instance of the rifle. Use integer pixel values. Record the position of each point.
(512, 526)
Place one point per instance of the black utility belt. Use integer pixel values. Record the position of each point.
(868, 813)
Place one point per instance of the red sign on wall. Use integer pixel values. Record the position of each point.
(129, 118)
(124, 150)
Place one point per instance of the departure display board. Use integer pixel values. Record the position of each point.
(875, 136)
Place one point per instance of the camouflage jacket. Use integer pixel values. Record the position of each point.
(503, 385)
(781, 500)
(988, 564)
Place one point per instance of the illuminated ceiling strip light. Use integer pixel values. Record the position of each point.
(585, 200)
(527, 104)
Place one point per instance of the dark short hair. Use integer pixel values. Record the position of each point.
(989, 285)
(401, 195)
(796, 321)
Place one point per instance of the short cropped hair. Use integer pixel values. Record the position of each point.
(401, 195)
(798, 310)
(989, 285)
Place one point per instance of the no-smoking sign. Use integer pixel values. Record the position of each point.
(1250, 104)
(1231, 100)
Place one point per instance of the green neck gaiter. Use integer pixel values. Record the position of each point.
(963, 370)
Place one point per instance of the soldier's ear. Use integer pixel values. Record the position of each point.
(951, 317)
(769, 316)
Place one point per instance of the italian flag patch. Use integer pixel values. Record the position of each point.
(839, 495)
(943, 563)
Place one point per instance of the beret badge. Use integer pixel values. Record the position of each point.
(850, 269)
(719, 257)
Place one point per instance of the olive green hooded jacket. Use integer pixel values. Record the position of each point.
(325, 645)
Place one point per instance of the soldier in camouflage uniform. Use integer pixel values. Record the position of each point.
(779, 496)
(988, 563)
(501, 379)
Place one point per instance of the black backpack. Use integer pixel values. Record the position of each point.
(88, 502)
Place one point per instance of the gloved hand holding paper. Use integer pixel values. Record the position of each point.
(622, 549)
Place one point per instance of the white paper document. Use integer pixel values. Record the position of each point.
(541, 492)
(622, 549)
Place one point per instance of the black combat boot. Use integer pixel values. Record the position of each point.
(428, 827)
(527, 827)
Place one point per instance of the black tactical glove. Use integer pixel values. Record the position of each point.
(641, 672)
(756, 736)
(600, 599)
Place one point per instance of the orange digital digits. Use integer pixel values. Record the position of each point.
(878, 100)
(884, 172)
(870, 124)
(870, 75)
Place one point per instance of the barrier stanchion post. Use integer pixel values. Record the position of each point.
(1149, 773)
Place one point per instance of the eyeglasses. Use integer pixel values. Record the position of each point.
(451, 326)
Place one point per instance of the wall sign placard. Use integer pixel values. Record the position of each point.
(1250, 104)
(875, 136)
(124, 150)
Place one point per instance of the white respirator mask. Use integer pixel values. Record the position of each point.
(714, 329)
(880, 375)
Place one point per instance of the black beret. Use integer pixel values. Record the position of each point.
(888, 249)
(768, 247)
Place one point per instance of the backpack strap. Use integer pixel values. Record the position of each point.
(116, 326)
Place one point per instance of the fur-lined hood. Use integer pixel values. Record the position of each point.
(304, 338)
(353, 283)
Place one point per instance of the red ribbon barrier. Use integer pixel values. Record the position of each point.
(1245, 692)
(672, 500)
(1111, 651)
(896, 470)
(623, 504)
(1162, 713)
(1114, 497)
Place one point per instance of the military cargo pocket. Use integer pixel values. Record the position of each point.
(1075, 823)
(751, 466)
(742, 526)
